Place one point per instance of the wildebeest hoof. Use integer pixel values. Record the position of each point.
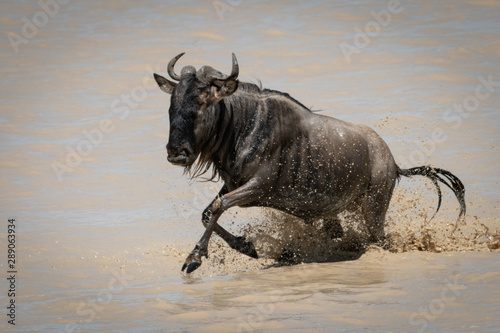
(246, 248)
(287, 257)
(193, 261)
(191, 267)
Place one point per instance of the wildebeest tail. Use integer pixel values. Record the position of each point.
(437, 175)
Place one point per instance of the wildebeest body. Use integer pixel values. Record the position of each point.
(309, 165)
(272, 151)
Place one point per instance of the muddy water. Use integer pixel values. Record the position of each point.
(103, 222)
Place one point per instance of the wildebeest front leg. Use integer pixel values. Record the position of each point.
(241, 196)
(237, 243)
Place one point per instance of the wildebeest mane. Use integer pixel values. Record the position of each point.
(219, 137)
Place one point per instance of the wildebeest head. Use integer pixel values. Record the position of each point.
(192, 95)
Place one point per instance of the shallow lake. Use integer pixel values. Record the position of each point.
(104, 222)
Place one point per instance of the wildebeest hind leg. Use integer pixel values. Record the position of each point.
(333, 228)
(376, 203)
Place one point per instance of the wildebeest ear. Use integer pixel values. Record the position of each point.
(165, 85)
(225, 88)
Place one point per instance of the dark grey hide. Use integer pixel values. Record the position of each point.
(272, 151)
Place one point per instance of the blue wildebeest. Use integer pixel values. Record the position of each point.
(272, 151)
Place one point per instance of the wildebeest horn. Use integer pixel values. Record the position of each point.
(171, 64)
(235, 69)
(208, 75)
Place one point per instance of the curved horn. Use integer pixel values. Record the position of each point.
(208, 75)
(235, 69)
(170, 68)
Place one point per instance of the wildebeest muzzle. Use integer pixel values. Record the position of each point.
(180, 154)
